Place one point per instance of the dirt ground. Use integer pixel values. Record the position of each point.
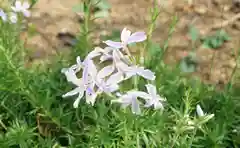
(52, 17)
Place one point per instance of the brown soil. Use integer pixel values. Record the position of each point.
(52, 17)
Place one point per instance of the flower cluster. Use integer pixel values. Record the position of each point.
(117, 67)
(17, 8)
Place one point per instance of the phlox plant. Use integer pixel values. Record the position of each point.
(161, 108)
(104, 71)
(99, 77)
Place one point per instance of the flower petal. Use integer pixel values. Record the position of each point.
(112, 88)
(26, 13)
(125, 101)
(89, 71)
(104, 58)
(146, 73)
(158, 105)
(135, 106)
(18, 6)
(105, 71)
(115, 78)
(137, 37)
(140, 94)
(107, 50)
(71, 76)
(96, 52)
(129, 74)
(151, 89)
(3, 15)
(114, 44)
(125, 35)
(92, 68)
(76, 102)
(148, 103)
(73, 92)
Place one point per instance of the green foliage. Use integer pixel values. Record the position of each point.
(216, 40)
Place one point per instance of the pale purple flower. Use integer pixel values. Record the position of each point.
(84, 85)
(153, 99)
(13, 17)
(22, 7)
(81, 88)
(3, 15)
(130, 98)
(90, 95)
(94, 53)
(127, 38)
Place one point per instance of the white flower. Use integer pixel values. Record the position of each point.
(130, 98)
(127, 38)
(84, 85)
(153, 98)
(80, 89)
(22, 7)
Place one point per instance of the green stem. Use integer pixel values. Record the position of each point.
(154, 15)
(235, 68)
(172, 28)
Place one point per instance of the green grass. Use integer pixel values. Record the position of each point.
(33, 113)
